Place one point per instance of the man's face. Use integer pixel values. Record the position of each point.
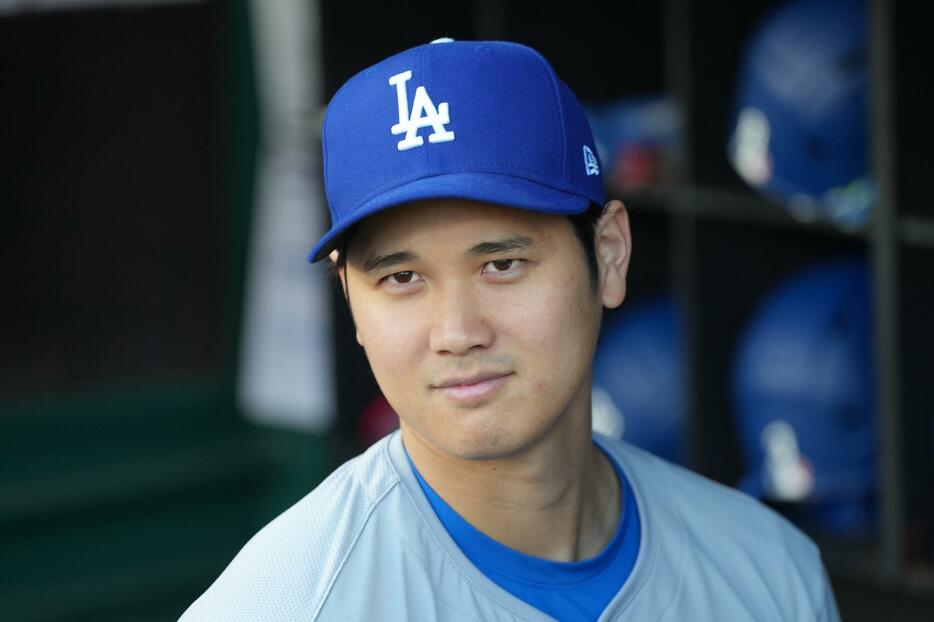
(479, 323)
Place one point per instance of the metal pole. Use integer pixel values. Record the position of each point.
(683, 226)
(884, 253)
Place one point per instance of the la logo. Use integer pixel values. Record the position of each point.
(424, 114)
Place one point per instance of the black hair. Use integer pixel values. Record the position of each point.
(584, 225)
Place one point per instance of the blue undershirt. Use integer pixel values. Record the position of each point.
(564, 590)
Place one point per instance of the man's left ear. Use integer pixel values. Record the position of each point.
(613, 243)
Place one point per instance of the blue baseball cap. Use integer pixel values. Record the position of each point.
(483, 120)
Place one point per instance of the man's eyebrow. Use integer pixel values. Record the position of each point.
(381, 262)
(505, 245)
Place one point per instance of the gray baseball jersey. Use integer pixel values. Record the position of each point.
(366, 545)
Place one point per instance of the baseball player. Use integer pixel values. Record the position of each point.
(476, 251)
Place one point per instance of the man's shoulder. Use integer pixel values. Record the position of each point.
(714, 532)
(286, 569)
(708, 507)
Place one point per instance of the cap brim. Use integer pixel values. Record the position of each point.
(486, 187)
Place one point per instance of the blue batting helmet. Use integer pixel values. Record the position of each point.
(803, 391)
(800, 124)
(638, 378)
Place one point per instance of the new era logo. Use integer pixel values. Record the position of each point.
(424, 114)
(591, 165)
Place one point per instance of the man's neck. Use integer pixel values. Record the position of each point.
(558, 500)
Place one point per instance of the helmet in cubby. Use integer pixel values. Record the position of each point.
(800, 131)
(639, 391)
(804, 398)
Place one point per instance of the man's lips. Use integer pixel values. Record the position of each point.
(460, 381)
(472, 388)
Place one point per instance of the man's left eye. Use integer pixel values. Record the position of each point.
(501, 265)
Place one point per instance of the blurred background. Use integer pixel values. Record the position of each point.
(173, 374)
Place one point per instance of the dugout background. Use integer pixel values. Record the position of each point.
(128, 476)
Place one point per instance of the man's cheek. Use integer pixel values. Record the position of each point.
(392, 350)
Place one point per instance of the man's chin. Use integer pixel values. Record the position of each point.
(492, 446)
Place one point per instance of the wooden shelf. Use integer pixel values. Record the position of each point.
(747, 209)
(734, 207)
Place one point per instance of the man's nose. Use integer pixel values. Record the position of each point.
(460, 322)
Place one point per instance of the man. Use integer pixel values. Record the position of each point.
(473, 245)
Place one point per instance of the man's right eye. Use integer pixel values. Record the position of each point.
(401, 278)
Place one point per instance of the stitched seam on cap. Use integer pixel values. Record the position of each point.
(385, 189)
(530, 175)
(423, 79)
(552, 77)
(324, 153)
(324, 123)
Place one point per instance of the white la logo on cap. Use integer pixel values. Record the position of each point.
(424, 114)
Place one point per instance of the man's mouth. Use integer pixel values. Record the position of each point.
(473, 387)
